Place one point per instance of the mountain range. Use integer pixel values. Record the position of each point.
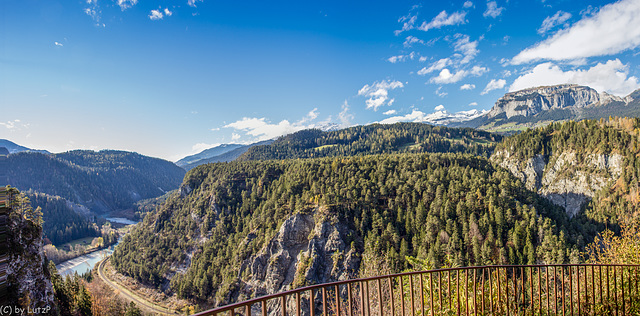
(15, 148)
(539, 106)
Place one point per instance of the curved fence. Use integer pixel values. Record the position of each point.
(564, 289)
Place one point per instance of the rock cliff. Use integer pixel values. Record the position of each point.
(532, 101)
(305, 251)
(28, 282)
(567, 179)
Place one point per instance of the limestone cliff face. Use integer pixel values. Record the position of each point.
(28, 279)
(305, 251)
(532, 101)
(566, 179)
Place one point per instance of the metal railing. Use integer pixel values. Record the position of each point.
(561, 289)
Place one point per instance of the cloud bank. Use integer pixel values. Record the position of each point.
(611, 30)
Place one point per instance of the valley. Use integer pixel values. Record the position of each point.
(320, 206)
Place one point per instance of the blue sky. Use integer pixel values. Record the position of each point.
(171, 78)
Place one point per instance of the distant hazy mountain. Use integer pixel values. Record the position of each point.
(101, 181)
(224, 156)
(208, 153)
(15, 148)
(542, 105)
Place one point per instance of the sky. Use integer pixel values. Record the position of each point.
(171, 78)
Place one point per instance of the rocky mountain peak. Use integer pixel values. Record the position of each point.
(532, 101)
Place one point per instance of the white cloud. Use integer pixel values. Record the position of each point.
(478, 71)
(473, 104)
(155, 15)
(441, 93)
(126, 4)
(93, 11)
(410, 40)
(58, 44)
(401, 58)
(438, 65)
(611, 30)
(378, 93)
(444, 19)
(344, 116)
(414, 116)
(439, 108)
(262, 129)
(192, 3)
(312, 115)
(423, 59)
(494, 85)
(408, 21)
(390, 112)
(235, 136)
(467, 86)
(611, 77)
(552, 21)
(14, 125)
(167, 12)
(467, 4)
(493, 10)
(468, 48)
(446, 76)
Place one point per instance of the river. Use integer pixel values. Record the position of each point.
(85, 262)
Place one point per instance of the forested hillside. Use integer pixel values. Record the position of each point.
(596, 159)
(376, 139)
(101, 181)
(442, 209)
(62, 223)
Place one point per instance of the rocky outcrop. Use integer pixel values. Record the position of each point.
(27, 279)
(305, 251)
(532, 101)
(566, 179)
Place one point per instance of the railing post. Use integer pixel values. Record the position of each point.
(440, 289)
(531, 288)
(458, 289)
(337, 299)
(298, 303)
(411, 289)
(571, 288)
(431, 291)
(475, 291)
(422, 293)
(324, 301)
(578, 286)
(393, 307)
(482, 289)
(380, 298)
(264, 308)
(546, 273)
(449, 290)
(312, 304)
(539, 290)
(402, 295)
(284, 305)
(350, 298)
(247, 310)
(490, 290)
(615, 286)
(466, 290)
(364, 310)
(563, 294)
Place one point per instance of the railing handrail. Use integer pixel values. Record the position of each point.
(268, 297)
